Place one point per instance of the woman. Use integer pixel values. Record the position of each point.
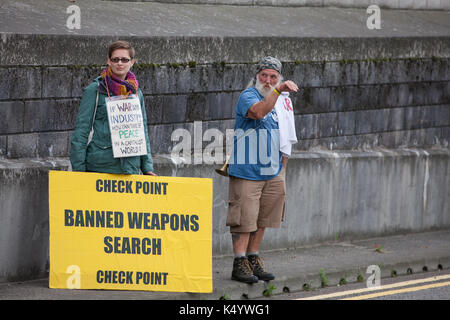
(93, 152)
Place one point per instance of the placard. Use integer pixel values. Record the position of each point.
(130, 232)
(127, 126)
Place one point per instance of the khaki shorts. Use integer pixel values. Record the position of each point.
(253, 204)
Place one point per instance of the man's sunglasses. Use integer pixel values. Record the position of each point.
(124, 60)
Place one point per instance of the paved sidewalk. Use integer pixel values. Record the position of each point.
(293, 269)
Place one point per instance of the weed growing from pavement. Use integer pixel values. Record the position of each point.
(323, 279)
(360, 278)
(269, 291)
(225, 296)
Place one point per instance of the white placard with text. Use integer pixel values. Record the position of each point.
(127, 126)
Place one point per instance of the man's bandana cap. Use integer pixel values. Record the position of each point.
(269, 63)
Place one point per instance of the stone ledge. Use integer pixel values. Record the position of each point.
(22, 49)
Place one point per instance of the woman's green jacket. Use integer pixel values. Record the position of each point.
(97, 156)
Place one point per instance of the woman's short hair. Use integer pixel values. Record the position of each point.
(120, 44)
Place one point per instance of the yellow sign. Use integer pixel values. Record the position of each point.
(130, 232)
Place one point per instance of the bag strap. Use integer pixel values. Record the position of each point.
(91, 133)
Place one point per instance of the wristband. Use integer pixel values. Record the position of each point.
(276, 91)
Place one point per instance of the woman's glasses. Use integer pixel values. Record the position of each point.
(123, 60)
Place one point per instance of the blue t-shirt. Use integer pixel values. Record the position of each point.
(256, 147)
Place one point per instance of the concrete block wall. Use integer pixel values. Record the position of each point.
(348, 104)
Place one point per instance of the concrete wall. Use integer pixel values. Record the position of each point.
(373, 120)
(340, 195)
(344, 195)
(24, 228)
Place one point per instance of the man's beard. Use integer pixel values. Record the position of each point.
(264, 89)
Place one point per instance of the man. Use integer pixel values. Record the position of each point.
(256, 187)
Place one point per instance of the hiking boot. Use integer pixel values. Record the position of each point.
(258, 268)
(242, 271)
